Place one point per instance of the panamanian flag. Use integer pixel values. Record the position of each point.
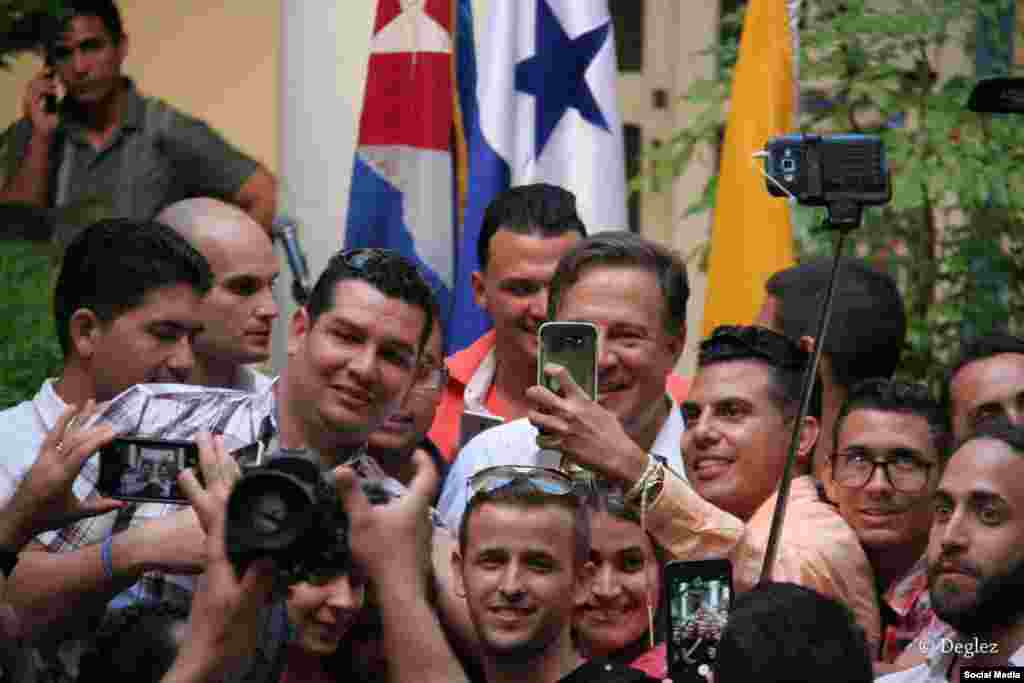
(402, 188)
(539, 106)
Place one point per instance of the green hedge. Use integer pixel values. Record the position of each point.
(29, 352)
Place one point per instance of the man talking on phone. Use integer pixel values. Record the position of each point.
(105, 142)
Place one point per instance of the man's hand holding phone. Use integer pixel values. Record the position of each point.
(40, 103)
(583, 430)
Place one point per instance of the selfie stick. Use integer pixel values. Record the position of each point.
(839, 220)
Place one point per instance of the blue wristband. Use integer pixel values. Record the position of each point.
(106, 558)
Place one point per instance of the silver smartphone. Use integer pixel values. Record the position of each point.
(572, 345)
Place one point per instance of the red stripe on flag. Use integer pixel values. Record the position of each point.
(441, 11)
(387, 10)
(408, 101)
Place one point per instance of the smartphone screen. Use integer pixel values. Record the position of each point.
(698, 595)
(572, 345)
(146, 470)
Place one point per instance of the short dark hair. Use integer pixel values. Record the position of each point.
(894, 396)
(749, 343)
(786, 633)
(538, 209)
(112, 265)
(868, 327)
(521, 493)
(135, 643)
(998, 429)
(105, 10)
(385, 270)
(626, 250)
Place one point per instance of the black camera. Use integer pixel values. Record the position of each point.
(829, 170)
(287, 510)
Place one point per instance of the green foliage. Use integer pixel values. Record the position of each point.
(951, 233)
(30, 352)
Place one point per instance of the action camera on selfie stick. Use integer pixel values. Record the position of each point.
(843, 173)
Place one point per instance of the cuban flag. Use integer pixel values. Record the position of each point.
(539, 106)
(402, 187)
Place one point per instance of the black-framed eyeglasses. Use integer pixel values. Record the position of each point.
(776, 348)
(545, 480)
(905, 473)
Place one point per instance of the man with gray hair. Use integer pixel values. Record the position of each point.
(239, 311)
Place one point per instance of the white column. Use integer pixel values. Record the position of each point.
(324, 50)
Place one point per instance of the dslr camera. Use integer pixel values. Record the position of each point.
(287, 510)
(841, 172)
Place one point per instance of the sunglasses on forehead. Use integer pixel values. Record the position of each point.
(759, 341)
(543, 480)
(362, 258)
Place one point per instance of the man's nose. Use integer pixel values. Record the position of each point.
(538, 307)
(182, 359)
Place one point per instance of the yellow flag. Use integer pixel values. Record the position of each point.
(752, 236)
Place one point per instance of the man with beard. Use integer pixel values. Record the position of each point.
(976, 557)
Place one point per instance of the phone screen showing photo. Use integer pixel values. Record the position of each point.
(698, 597)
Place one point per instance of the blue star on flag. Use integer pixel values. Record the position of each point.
(555, 75)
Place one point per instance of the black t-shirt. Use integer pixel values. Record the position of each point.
(603, 671)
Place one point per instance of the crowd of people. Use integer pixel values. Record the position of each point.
(901, 553)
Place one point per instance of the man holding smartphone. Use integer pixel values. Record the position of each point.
(104, 141)
(635, 292)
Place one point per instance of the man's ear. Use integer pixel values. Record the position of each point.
(479, 289)
(806, 343)
(678, 342)
(298, 328)
(808, 438)
(458, 580)
(84, 332)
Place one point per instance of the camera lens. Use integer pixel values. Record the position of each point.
(268, 511)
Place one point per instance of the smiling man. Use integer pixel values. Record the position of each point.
(394, 442)
(635, 292)
(525, 231)
(740, 414)
(239, 310)
(976, 557)
(104, 140)
(891, 440)
(522, 566)
(353, 354)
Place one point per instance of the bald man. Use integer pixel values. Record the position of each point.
(239, 311)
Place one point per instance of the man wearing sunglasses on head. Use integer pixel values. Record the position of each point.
(521, 565)
(891, 440)
(740, 415)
